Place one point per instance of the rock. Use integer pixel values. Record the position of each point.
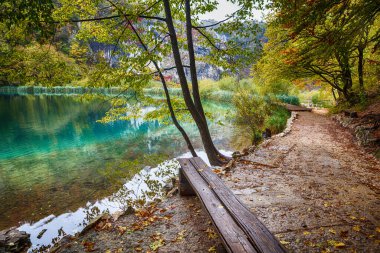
(251, 149)
(236, 154)
(245, 151)
(116, 215)
(13, 240)
(95, 221)
(147, 168)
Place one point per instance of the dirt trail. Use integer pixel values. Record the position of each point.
(322, 196)
(324, 193)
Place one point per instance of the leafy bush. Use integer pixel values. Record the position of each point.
(277, 119)
(251, 112)
(38, 64)
(288, 99)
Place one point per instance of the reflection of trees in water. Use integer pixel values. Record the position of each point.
(145, 187)
(45, 114)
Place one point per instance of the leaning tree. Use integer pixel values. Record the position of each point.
(144, 34)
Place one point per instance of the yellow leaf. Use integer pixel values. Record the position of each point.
(211, 233)
(108, 251)
(327, 204)
(356, 228)
(212, 249)
(353, 217)
(138, 249)
(284, 242)
(332, 231)
(306, 233)
(378, 229)
(336, 244)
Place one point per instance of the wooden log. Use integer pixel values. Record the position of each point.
(261, 238)
(185, 188)
(233, 237)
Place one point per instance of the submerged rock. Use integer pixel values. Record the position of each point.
(13, 240)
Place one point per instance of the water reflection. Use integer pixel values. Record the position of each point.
(53, 153)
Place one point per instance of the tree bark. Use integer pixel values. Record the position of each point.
(193, 69)
(208, 144)
(360, 68)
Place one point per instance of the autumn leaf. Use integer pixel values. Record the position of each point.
(88, 246)
(378, 229)
(356, 228)
(336, 244)
(211, 233)
(212, 249)
(284, 242)
(180, 236)
(121, 229)
(157, 244)
(306, 233)
(332, 231)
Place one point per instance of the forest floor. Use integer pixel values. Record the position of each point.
(319, 193)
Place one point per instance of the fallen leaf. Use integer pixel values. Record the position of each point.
(353, 217)
(306, 233)
(284, 242)
(211, 233)
(332, 231)
(88, 246)
(378, 229)
(356, 228)
(336, 244)
(157, 244)
(212, 249)
(138, 248)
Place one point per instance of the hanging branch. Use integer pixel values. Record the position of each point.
(168, 99)
(219, 22)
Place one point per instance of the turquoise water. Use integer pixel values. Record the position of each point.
(53, 153)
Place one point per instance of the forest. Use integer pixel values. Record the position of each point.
(96, 94)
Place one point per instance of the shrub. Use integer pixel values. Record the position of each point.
(288, 99)
(251, 112)
(277, 119)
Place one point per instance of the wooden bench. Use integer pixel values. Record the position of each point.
(239, 229)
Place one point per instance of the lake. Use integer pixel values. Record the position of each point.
(55, 157)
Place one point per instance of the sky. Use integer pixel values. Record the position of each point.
(225, 8)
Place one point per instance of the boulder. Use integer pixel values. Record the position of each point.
(13, 240)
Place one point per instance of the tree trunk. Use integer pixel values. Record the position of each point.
(167, 95)
(208, 145)
(360, 68)
(193, 70)
(346, 77)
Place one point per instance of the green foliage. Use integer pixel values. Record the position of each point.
(293, 100)
(37, 64)
(277, 119)
(251, 112)
(330, 42)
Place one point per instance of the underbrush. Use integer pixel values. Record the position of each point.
(256, 115)
(288, 99)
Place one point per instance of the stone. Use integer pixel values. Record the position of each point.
(236, 154)
(13, 240)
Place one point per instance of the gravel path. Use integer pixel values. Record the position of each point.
(323, 194)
